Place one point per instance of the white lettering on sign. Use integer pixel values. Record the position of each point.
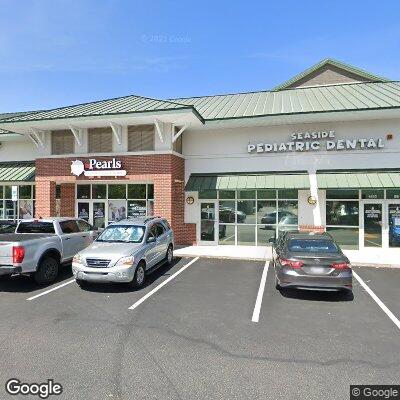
(95, 167)
(314, 141)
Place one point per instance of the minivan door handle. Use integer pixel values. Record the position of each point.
(68, 238)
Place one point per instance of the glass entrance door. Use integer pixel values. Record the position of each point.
(83, 211)
(393, 223)
(98, 214)
(373, 224)
(208, 222)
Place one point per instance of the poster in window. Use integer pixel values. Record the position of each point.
(116, 210)
(83, 211)
(136, 208)
(25, 209)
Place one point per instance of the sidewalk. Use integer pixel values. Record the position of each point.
(366, 257)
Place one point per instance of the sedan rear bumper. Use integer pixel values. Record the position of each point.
(291, 278)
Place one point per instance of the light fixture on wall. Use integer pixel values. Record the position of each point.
(190, 200)
(312, 200)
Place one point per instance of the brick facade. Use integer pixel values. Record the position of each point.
(165, 171)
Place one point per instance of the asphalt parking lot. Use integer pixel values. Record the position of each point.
(197, 331)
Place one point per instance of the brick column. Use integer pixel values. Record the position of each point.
(45, 199)
(67, 200)
(169, 198)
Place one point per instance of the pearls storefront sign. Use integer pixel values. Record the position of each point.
(316, 140)
(95, 167)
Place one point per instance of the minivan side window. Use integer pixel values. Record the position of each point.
(166, 224)
(160, 229)
(152, 232)
(69, 226)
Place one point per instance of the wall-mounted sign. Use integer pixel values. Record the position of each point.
(95, 167)
(14, 193)
(316, 140)
(190, 200)
(312, 200)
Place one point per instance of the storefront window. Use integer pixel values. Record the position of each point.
(226, 194)
(25, 192)
(136, 191)
(227, 211)
(83, 191)
(150, 208)
(117, 191)
(7, 192)
(264, 233)
(246, 235)
(337, 194)
(10, 209)
(287, 194)
(393, 194)
(207, 194)
(287, 214)
(342, 213)
(347, 238)
(150, 191)
(226, 234)
(266, 194)
(136, 208)
(99, 191)
(246, 194)
(116, 210)
(246, 212)
(371, 194)
(26, 210)
(1, 192)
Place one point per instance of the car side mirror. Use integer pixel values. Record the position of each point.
(151, 239)
(272, 240)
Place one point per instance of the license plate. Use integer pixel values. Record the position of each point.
(317, 270)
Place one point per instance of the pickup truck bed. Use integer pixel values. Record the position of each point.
(20, 237)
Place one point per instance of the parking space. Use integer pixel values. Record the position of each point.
(192, 336)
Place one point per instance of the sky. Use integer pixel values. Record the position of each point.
(61, 52)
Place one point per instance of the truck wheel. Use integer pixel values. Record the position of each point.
(139, 277)
(5, 277)
(47, 271)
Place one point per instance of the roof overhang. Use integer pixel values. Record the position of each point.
(303, 118)
(188, 116)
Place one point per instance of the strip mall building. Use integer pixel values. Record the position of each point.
(321, 151)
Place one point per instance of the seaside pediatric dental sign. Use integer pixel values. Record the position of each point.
(316, 140)
(95, 167)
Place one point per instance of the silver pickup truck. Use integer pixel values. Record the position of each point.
(39, 247)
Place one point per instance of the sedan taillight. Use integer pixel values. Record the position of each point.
(341, 266)
(18, 254)
(291, 263)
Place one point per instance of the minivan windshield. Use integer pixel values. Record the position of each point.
(122, 233)
(313, 246)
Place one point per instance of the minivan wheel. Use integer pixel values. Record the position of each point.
(170, 255)
(139, 277)
(47, 271)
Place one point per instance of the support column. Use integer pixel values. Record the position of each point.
(67, 200)
(45, 199)
(169, 198)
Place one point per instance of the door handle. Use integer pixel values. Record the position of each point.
(67, 238)
(84, 236)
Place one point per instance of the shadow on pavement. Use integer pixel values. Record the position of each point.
(25, 284)
(161, 271)
(317, 295)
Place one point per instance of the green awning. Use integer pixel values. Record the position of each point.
(223, 182)
(17, 171)
(355, 180)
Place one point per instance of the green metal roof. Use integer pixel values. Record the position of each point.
(319, 99)
(17, 171)
(120, 105)
(328, 61)
(357, 180)
(10, 115)
(272, 181)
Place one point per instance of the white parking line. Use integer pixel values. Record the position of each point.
(50, 290)
(257, 306)
(157, 288)
(377, 300)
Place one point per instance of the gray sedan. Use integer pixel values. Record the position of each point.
(310, 261)
(126, 251)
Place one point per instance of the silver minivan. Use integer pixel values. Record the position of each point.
(126, 251)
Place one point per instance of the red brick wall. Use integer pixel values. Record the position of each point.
(67, 200)
(166, 171)
(45, 198)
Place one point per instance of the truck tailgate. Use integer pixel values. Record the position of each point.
(6, 253)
